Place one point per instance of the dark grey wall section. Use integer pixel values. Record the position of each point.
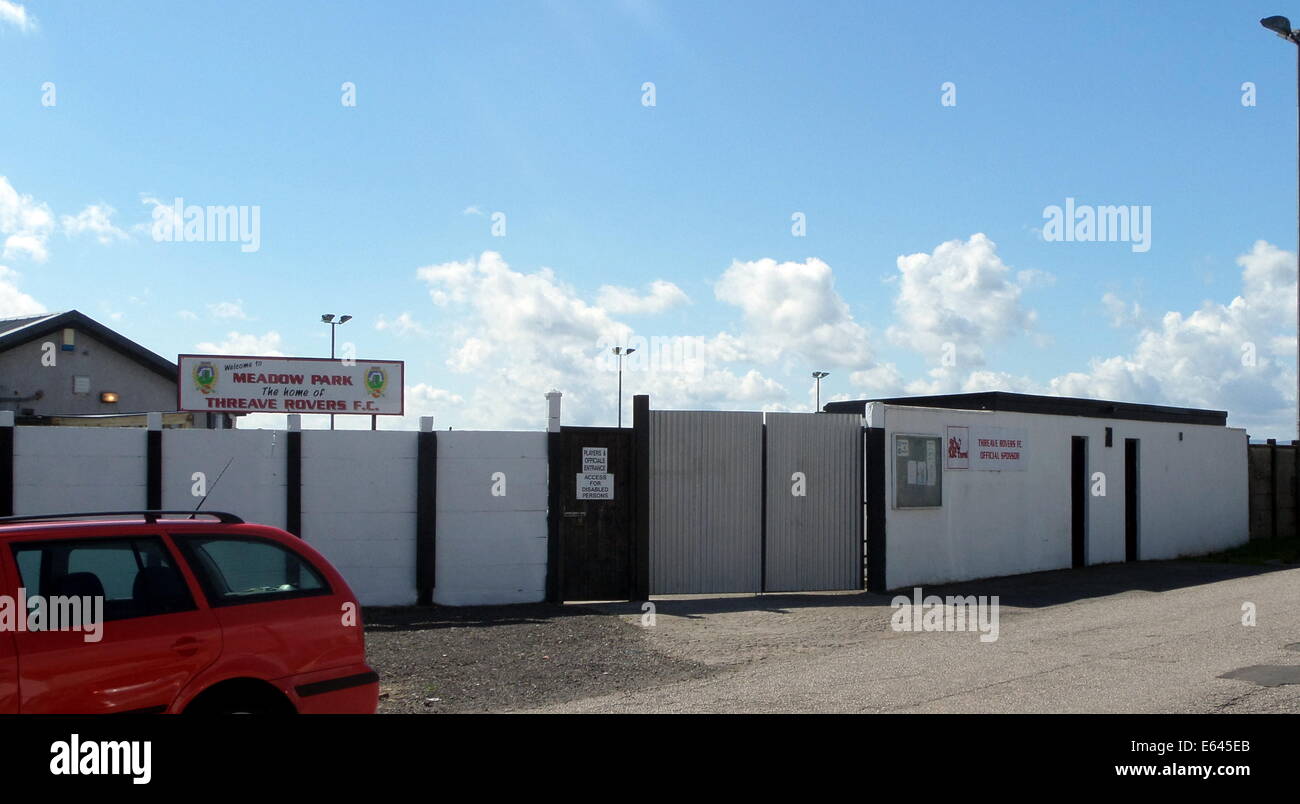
(814, 542)
(6, 471)
(153, 469)
(641, 543)
(876, 502)
(293, 483)
(426, 509)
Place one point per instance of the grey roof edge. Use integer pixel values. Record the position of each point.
(1006, 401)
(78, 320)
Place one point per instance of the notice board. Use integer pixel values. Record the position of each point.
(918, 471)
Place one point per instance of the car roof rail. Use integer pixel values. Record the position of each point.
(150, 515)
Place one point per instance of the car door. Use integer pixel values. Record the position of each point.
(271, 602)
(8, 652)
(152, 637)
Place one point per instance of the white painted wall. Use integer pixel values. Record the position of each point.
(59, 469)
(1193, 497)
(358, 498)
(252, 485)
(491, 549)
(358, 509)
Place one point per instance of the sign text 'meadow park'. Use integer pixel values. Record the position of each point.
(236, 384)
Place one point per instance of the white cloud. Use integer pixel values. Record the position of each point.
(961, 294)
(237, 343)
(625, 301)
(96, 220)
(883, 380)
(1120, 313)
(162, 215)
(472, 210)
(227, 309)
(791, 310)
(15, 14)
(518, 335)
(27, 224)
(1204, 359)
(29, 245)
(188, 315)
(404, 324)
(13, 302)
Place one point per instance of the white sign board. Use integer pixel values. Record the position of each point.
(595, 486)
(232, 384)
(595, 460)
(999, 448)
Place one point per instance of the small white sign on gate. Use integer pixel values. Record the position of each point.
(595, 486)
(595, 460)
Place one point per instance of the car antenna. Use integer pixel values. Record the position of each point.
(213, 486)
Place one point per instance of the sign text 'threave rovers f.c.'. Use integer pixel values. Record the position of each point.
(233, 384)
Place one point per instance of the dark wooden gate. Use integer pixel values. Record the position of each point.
(592, 539)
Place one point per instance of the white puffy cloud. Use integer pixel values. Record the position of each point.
(791, 310)
(1236, 357)
(518, 335)
(404, 324)
(1121, 313)
(13, 302)
(95, 220)
(25, 222)
(227, 309)
(237, 343)
(882, 380)
(625, 301)
(162, 216)
(961, 294)
(15, 14)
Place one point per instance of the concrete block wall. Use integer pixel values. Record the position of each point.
(491, 549)
(243, 471)
(59, 469)
(358, 497)
(358, 509)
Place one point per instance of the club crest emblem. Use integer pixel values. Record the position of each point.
(205, 377)
(376, 381)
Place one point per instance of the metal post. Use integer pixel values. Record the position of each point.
(620, 391)
(333, 328)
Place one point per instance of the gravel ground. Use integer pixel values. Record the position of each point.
(510, 658)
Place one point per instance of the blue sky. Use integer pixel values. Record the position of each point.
(761, 110)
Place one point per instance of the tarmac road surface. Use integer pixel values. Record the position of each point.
(1146, 637)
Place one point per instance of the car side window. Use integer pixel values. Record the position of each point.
(247, 569)
(134, 575)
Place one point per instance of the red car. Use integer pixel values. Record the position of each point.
(169, 611)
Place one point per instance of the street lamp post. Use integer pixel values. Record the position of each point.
(817, 375)
(1282, 27)
(620, 351)
(328, 318)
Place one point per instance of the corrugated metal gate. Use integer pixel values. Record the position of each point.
(706, 486)
(728, 514)
(814, 502)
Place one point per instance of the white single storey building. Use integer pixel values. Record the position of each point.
(966, 486)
